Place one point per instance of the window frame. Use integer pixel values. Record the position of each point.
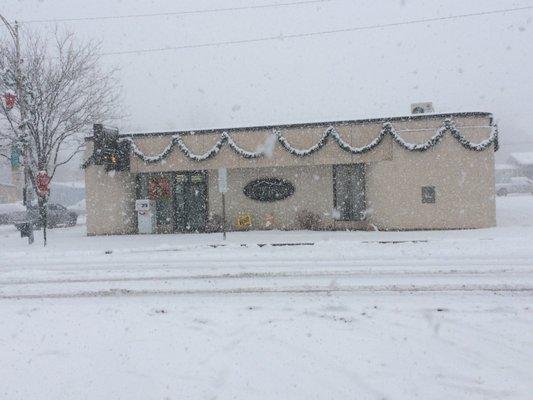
(429, 194)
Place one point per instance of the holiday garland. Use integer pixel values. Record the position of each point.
(329, 133)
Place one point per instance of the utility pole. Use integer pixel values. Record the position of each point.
(21, 135)
(223, 189)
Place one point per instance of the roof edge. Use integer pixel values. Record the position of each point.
(309, 124)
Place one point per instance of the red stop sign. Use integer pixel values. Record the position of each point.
(42, 182)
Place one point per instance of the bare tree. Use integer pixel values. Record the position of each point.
(64, 91)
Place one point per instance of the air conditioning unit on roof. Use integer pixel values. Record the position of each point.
(422, 108)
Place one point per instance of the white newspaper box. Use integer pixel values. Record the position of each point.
(146, 221)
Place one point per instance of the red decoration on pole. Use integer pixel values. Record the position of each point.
(9, 100)
(42, 182)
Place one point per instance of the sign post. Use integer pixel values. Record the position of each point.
(223, 189)
(42, 183)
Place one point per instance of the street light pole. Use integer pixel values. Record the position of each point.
(21, 137)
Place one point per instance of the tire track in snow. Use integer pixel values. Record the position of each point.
(282, 274)
(288, 290)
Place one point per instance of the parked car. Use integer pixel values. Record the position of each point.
(57, 216)
(518, 184)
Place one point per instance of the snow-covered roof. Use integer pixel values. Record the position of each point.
(523, 159)
(70, 184)
(310, 124)
(501, 167)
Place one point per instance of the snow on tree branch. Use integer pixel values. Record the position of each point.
(64, 91)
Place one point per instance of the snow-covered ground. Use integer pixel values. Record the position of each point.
(296, 315)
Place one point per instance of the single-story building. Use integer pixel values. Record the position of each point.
(427, 171)
(8, 193)
(523, 161)
(11, 188)
(504, 172)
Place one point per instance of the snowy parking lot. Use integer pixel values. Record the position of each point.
(344, 315)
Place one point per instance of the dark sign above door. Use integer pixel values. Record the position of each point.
(269, 189)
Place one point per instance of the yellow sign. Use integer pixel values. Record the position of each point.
(197, 178)
(244, 221)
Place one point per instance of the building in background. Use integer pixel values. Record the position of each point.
(9, 193)
(11, 183)
(504, 172)
(67, 193)
(523, 162)
(427, 171)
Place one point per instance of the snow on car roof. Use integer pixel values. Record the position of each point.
(11, 207)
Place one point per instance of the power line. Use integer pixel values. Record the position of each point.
(177, 13)
(319, 33)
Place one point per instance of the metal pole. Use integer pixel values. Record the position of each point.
(223, 216)
(14, 32)
(26, 157)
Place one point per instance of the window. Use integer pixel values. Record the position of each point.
(428, 194)
(269, 189)
(349, 191)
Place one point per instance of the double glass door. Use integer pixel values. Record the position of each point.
(180, 199)
(191, 201)
(349, 184)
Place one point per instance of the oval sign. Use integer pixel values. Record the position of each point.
(269, 189)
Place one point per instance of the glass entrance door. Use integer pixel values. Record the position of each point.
(191, 201)
(160, 190)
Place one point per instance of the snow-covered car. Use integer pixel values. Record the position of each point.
(79, 208)
(518, 184)
(57, 216)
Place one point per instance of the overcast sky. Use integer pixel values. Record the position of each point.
(482, 63)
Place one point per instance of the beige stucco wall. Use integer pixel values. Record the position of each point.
(313, 192)
(110, 200)
(464, 179)
(252, 140)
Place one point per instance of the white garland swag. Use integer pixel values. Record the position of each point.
(330, 132)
